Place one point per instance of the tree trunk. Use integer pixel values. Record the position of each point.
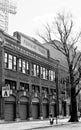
(74, 117)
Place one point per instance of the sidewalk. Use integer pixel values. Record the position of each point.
(31, 124)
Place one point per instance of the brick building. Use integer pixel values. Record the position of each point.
(27, 79)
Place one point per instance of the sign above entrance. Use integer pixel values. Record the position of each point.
(6, 91)
(32, 44)
(33, 47)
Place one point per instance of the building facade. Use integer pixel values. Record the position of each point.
(27, 79)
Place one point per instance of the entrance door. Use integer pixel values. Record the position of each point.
(23, 111)
(55, 110)
(45, 110)
(64, 108)
(10, 111)
(35, 110)
(52, 110)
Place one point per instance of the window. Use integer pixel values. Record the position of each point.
(23, 66)
(35, 70)
(10, 62)
(52, 91)
(51, 75)
(45, 90)
(44, 74)
(41, 72)
(14, 63)
(27, 67)
(26, 86)
(6, 60)
(20, 65)
(35, 88)
(52, 78)
(11, 83)
(38, 71)
(21, 85)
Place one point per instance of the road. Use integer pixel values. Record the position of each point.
(63, 127)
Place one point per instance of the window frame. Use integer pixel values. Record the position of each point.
(35, 70)
(10, 62)
(6, 59)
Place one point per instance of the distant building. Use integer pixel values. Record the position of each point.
(63, 83)
(6, 7)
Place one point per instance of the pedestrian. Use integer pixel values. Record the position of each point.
(51, 119)
(78, 114)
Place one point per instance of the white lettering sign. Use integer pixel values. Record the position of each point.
(33, 47)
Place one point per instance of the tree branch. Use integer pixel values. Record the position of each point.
(53, 44)
(77, 61)
(77, 92)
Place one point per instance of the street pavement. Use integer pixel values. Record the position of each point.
(27, 125)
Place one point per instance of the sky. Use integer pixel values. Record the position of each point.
(31, 13)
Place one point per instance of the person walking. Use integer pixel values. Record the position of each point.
(78, 114)
(51, 119)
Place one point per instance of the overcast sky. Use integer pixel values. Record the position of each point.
(31, 12)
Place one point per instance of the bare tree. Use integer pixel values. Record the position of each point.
(67, 46)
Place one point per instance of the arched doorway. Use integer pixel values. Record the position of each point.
(55, 109)
(10, 108)
(35, 108)
(24, 108)
(45, 108)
